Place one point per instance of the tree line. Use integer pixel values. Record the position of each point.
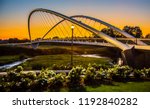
(132, 30)
(14, 40)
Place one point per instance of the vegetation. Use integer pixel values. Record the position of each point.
(134, 31)
(10, 59)
(60, 62)
(78, 79)
(45, 49)
(122, 87)
(11, 54)
(11, 50)
(147, 36)
(111, 32)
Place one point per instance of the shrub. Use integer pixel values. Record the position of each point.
(146, 72)
(11, 76)
(19, 69)
(75, 79)
(90, 75)
(120, 73)
(56, 82)
(30, 75)
(42, 80)
(139, 74)
(40, 84)
(46, 73)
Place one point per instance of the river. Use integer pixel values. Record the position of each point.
(8, 66)
(93, 56)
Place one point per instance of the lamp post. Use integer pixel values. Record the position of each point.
(72, 30)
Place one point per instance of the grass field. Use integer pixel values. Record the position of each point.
(122, 87)
(8, 59)
(80, 49)
(45, 61)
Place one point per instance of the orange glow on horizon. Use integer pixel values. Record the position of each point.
(20, 30)
(22, 33)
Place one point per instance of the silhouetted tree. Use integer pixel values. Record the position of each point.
(56, 37)
(13, 40)
(147, 36)
(16, 40)
(111, 32)
(133, 30)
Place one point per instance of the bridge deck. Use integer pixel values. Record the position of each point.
(95, 43)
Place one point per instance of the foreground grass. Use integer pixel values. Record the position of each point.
(122, 87)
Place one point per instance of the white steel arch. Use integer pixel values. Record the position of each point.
(109, 39)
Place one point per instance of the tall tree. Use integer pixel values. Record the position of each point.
(147, 36)
(111, 32)
(133, 30)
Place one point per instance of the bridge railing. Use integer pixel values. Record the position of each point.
(133, 41)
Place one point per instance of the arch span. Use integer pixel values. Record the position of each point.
(87, 27)
(100, 21)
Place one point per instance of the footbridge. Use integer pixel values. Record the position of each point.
(51, 26)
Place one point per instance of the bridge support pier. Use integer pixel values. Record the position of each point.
(128, 57)
(136, 58)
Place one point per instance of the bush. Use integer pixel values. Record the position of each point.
(104, 77)
(42, 80)
(90, 76)
(46, 73)
(75, 80)
(120, 73)
(94, 77)
(56, 82)
(39, 84)
(146, 72)
(139, 74)
(19, 69)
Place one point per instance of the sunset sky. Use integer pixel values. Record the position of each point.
(14, 13)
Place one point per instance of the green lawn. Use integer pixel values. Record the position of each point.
(8, 59)
(82, 49)
(122, 87)
(62, 59)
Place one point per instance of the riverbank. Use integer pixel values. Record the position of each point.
(14, 64)
(53, 56)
